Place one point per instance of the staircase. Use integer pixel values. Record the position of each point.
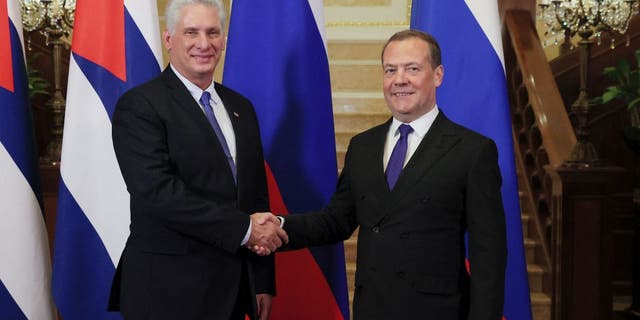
(358, 104)
(539, 282)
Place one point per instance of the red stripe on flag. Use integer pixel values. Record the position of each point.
(299, 280)
(6, 65)
(466, 263)
(275, 197)
(98, 34)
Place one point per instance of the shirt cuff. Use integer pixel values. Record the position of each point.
(281, 221)
(246, 235)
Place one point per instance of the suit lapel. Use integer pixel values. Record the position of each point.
(439, 140)
(183, 99)
(374, 164)
(367, 158)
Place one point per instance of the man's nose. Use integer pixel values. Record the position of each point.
(201, 40)
(400, 78)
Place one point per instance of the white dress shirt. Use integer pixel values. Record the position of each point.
(420, 128)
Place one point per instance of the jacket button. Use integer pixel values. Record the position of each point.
(375, 229)
(400, 274)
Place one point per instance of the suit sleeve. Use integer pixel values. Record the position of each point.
(336, 222)
(141, 147)
(487, 235)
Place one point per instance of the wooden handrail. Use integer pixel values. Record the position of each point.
(551, 117)
(542, 131)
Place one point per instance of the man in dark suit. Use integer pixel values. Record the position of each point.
(190, 153)
(415, 185)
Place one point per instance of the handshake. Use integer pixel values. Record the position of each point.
(266, 234)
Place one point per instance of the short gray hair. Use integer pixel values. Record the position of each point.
(172, 12)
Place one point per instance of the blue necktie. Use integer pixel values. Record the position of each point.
(204, 101)
(396, 161)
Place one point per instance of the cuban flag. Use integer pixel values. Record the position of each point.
(25, 268)
(280, 63)
(474, 94)
(115, 46)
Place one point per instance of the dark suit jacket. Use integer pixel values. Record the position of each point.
(411, 247)
(183, 258)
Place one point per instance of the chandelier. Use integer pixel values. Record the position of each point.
(586, 17)
(48, 16)
(54, 19)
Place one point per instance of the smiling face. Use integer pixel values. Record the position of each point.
(196, 44)
(409, 79)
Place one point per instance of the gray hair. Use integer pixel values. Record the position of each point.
(172, 13)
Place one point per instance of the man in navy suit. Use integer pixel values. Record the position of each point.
(415, 185)
(190, 153)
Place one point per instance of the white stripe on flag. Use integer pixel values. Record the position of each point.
(25, 269)
(487, 16)
(145, 15)
(15, 15)
(89, 167)
(318, 14)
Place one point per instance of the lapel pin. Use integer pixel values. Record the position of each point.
(236, 114)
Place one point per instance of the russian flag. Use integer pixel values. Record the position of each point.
(25, 268)
(280, 63)
(474, 94)
(116, 46)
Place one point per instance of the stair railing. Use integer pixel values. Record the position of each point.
(542, 131)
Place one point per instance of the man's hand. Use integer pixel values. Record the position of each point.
(264, 305)
(266, 234)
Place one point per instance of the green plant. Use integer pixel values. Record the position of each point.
(37, 83)
(627, 83)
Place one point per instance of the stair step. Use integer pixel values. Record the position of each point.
(350, 250)
(530, 247)
(526, 220)
(354, 49)
(540, 306)
(340, 157)
(536, 278)
(356, 75)
(351, 275)
(364, 101)
(342, 139)
(357, 122)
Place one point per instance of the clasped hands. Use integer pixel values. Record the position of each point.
(266, 234)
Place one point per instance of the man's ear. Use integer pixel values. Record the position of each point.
(438, 75)
(166, 40)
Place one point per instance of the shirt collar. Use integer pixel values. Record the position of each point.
(195, 91)
(420, 126)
